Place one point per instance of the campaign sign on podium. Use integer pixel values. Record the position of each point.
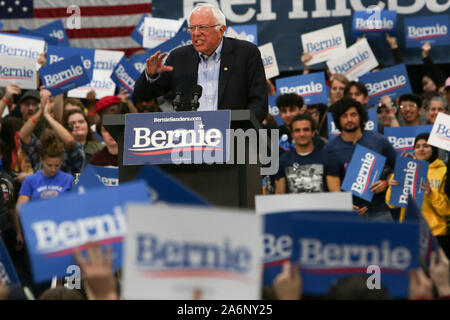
(176, 137)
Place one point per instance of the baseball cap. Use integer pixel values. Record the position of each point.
(106, 102)
(30, 94)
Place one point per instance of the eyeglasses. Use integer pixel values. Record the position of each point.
(406, 105)
(201, 28)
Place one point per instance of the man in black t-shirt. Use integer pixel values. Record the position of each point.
(306, 168)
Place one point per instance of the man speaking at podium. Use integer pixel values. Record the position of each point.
(219, 72)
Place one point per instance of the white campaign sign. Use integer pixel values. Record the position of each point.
(21, 71)
(269, 60)
(107, 60)
(440, 133)
(101, 83)
(324, 44)
(22, 46)
(355, 61)
(172, 251)
(158, 30)
(339, 201)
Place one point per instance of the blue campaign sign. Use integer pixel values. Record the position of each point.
(64, 75)
(278, 244)
(98, 215)
(58, 53)
(332, 130)
(87, 180)
(392, 82)
(402, 138)
(165, 188)
(109, 176)
(432, 29)
(50, 40)
(372, 123)
(427, 242)
(8, 273)
(292, 18)
(311, 87)
(248, 32)
(327, 250)
(138, 61)
(55, 30)
(274, 111)
(180, 39)
(410, 174)
(374, 23)
(278, 241)
(176, 137)
(138, 32)
(365, 169)
(125, 75)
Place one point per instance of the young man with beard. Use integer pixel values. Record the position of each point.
(350, 118)
(306, 168)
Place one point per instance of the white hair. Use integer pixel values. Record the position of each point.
(218, 15)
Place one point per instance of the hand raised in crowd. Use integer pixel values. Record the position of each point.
(426, 48)
(124, 95)
(392, 41)
(45, 95)
(97, 272)
(440, 273)
(91, 96)
(154, 64)
(305, 58)
(11, 90)
(288, 284)
(420, 286)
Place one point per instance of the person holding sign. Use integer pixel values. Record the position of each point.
(436, 205)
(306, 168)
(350, 118)
(230, 71)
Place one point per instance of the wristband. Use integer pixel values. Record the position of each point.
(90, 113)
(34, 120)
(5, 101)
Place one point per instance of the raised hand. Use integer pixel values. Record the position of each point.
(154, 64)
(11, 90)
(97, 272)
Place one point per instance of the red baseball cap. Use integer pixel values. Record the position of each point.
(106, 102)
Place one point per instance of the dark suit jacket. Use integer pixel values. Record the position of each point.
(242, 81)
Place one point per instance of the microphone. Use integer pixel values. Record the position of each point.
(178, 100)
(196, 94)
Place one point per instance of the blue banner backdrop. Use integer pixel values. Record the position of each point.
(282, 22)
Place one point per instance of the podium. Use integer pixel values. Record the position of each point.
(229, 185)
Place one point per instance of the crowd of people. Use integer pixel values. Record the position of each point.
(46, 141)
